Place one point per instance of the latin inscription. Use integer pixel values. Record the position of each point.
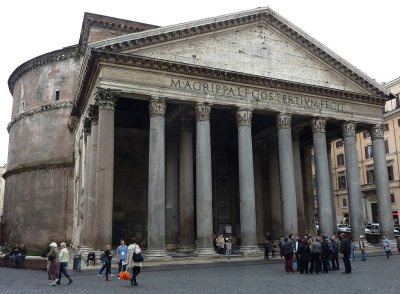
(256, 94)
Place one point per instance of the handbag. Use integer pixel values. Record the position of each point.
(103, 258)
(51, 256)
(137, 257)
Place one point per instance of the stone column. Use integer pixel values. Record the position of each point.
(353, 180)
(298, 182)
(171, 190)
(286, 169)
(156, 193)
(92, 202)
(259, 193)
(275, 200)
(204, 214)
(382, 182)
(331, 179)
(84, 215)
(322, 177)
(106, 99)
(309, 195)
(186, 189)
(246, 184)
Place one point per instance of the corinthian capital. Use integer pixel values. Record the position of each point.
(318, 125)
(157, 107)
(87, 124)
(243, 117)
(349, 129)
(376, 132)
(284, 121)
(203, 111)
(106, 98)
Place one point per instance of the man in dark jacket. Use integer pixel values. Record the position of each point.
(345, 249)
(288, 250)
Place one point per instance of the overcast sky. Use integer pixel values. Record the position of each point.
(364, 32)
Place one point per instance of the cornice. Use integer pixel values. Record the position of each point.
(37, 166)
(37, 110)
(58, 55)
(265, 15)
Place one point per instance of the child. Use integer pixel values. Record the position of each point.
(228, 248)
(273, 249)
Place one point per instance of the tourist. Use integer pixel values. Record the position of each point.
(267, 247)
(106, 259)
(386, 247)
(91, 257)
(361, 244)
(315, 249)
(64, 258)
(53, 263)
(229, 248)
(335, 253)
(273, 249)
(134, 249)
(14, 254)
(353, 250)
(122, 253)
(288, 250)
(304, 255)
(345, 249)
(325, 254)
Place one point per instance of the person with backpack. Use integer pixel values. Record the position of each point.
(135, 260)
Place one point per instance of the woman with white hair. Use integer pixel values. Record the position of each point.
(134, 261)
(53, 264)
(64, 258)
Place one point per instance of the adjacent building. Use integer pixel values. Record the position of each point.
(168, 135)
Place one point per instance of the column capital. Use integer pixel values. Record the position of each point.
(244, 117)
(87, 124)
(284, 121)
(92, 113)
(349, 129)
(203, 111)
(376, 131)
(318, 125)
(106, 98)
(157, 107)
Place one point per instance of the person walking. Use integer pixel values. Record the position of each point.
(134, 265)
(345, 249)
(106, 259)
(386, 247)
(361, 244)
(228, 248)
(122, 252)
(64, 258)
(53, 263)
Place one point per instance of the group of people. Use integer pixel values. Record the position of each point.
(57, 263)
(223, 244)
(18, 254)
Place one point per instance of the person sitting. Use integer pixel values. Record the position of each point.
(15, 255)
(23, 251)
(91, 257)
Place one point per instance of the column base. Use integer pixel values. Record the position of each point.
(250, 250)
(205, 251)
(186, 249)
(172, 247)
(157, 254)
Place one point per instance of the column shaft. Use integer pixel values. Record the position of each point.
(286, 169)
(299, 185)
(275, 200)
(85, 212)
(91, 200)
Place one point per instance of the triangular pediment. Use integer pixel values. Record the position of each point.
(257, 42)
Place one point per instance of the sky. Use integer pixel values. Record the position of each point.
(364, 32)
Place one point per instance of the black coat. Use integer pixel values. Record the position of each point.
(305, 252)
(345, 246)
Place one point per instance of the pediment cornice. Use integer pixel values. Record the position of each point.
(261, 15)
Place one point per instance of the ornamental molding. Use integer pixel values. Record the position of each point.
(244, 117)
(318, 125)
(44, 108)
(92, 112)
(157, 107)
(202, 111)
(349, 129)
(106, 98)
(284, 121)
(377, 132)
(38, 166)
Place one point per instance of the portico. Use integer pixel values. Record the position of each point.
(175, 114)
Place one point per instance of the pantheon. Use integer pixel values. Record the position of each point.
(172, 134)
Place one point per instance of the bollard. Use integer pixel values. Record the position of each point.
(77, 262)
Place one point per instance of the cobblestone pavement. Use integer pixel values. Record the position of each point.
(377, 274)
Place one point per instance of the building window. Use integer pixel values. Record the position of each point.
(57, 97)
(387, 146)
(342, 181)
(386, 127)
(390, 173)
(344, 202)
(340, 159)
(368, 151)
(392, 198)
(366, 135)
(370, 176)
(339, 143)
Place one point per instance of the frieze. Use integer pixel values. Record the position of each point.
(318, 125)
(37, 110)
(284, 121)
(106, 98)
(377, 132)
(157, 107)
(349, 129)
(244, 117)
(202, 111)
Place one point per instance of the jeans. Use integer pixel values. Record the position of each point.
(63, 270)
(108, 270)
(120, 266)
(289, 263)
(363, 255)
(347, 264)
(228, 252)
